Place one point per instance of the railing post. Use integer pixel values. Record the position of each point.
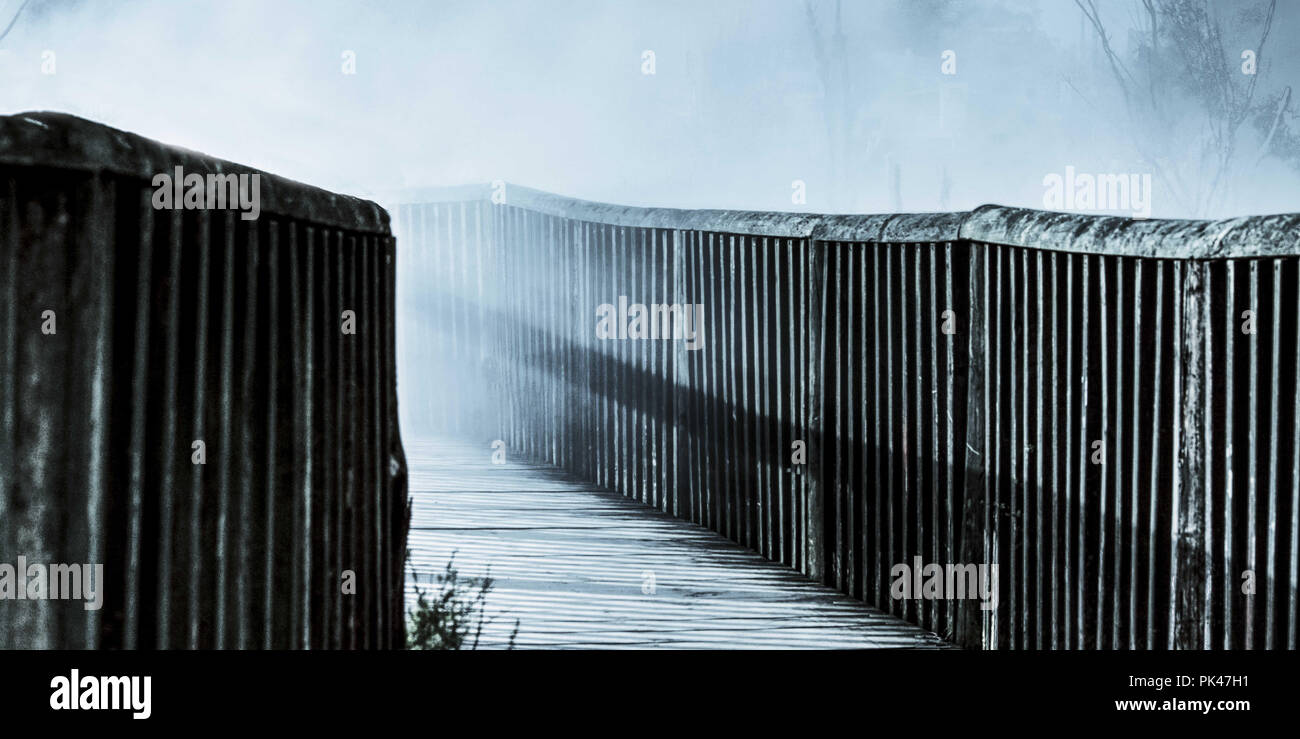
(1187, 563)
(818, 442)
(680, 378)
(969, 630)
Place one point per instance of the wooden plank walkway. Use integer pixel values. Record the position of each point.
(574, 566)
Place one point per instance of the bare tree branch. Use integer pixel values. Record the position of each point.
(1117, 66)
(1153, 59)
(1277, 121)
(1259, 51)
(13, 20)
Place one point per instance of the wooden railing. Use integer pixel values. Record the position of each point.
(1070, 398)
(180, 402)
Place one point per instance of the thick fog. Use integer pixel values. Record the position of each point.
(864, 106)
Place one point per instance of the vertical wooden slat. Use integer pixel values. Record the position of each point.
(1135, 455)
(1018, 356)
(1252, 459)
(1086, 408)
(271, 466)
(722, 299)
(247, 540)
(762, 486)
(225, 438)
(708, 384)
(957, 379)
(836, 407)
(140, 387)
(973, 628)
(794, 425)
(816, 305)
(939, 390)
(896, 549)
(1072, 637)
(1273, 489)
(1116, 463)
(1158, 430)
(1293, 608)
(1059, 485)
(1040, 440)
(904, 420)
(868, 389)
(916, 420)
(1188, 568)
(1209, 435)
(195, 571)
(90, 304)
(42, 373)
(9, 387)
(1230, 338)
(301, 487)
(380, 464)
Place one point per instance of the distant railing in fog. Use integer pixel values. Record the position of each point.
(180, 326)
(1071, 398)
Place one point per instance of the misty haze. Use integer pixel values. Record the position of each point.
(423, 325)
(874, 106)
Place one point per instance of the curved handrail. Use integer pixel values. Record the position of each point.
(66, 142)
(1230, 238)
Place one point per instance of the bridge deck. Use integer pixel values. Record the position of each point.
(574, 565)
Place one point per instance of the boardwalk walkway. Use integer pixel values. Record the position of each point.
(581, 569)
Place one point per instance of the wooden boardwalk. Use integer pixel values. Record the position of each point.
(586, 569)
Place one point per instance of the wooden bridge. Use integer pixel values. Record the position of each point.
(1100, 410)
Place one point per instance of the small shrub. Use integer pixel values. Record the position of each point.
(454, 616)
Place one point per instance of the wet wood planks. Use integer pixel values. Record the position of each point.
(585, 569)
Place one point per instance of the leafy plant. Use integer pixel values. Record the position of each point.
(453, 617)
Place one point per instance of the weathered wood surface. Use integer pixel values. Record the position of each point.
(572, 564)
